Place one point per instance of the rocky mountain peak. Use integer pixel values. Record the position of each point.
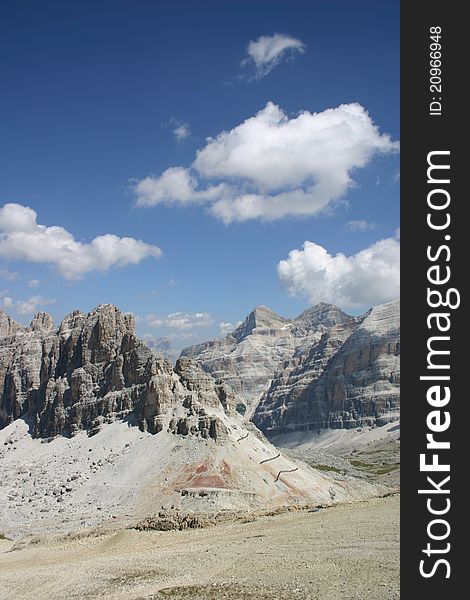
(94, 370)
(8, 326)
(260, 318)
(349, 378)
(42, 321)
(318, 317)
(384, 318)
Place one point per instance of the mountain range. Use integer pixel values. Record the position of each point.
(94, 426)
(323, 369)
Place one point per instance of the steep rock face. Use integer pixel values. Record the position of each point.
(8, 326)
(247, 358)
(350, 378)
(91, 370)
(20, 363)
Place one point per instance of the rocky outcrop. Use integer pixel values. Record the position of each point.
(93, 370)
(349, 379)
(8, 326)
(21, 351)
(247, 359)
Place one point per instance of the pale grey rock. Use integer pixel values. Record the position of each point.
(8, 326)
(349, 379)
(93, 370)
(21, 350)
(322, 369)
(248, 358)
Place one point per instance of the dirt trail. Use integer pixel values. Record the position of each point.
(344, 552)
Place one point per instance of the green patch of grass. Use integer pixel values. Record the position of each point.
(361, 465)
(326, 468)
(386, 469)
(375, 468)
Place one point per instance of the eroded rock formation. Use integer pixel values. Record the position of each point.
(94, 370)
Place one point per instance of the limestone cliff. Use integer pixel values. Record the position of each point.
(93, 370)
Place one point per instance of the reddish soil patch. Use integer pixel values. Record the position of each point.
(209, 481)
(226, 469)
(207, 475)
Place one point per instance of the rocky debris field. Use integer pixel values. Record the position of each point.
(121, 476)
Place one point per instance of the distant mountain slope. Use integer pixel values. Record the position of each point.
(349, 379)
(248, 358)
(324, 369)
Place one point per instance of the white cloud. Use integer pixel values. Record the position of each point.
(360, 225)
(7, 302)
(30, 306)
(175, 185)
(180, 320)
(8, 275)
(225, 328)
(268, 51)
(33, 283)
(274, 151)
(22, 238)
(272, 166)
(181, 131)
(370, 277)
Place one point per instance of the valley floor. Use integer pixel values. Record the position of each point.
(344, 552)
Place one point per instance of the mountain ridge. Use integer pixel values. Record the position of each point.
(265, 367)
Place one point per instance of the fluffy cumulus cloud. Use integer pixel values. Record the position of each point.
(371, 276)
(22, 238)
(272, 166)
(268, 51)
(175, 185)
(180, 320)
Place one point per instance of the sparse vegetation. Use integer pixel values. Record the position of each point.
(326, 468)
(374, 468)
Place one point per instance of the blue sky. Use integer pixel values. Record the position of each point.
(94, 97)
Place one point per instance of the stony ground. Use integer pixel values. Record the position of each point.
(369, 454)
(344, 552)
(121, 475)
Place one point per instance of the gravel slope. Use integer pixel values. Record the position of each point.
(343, 552)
